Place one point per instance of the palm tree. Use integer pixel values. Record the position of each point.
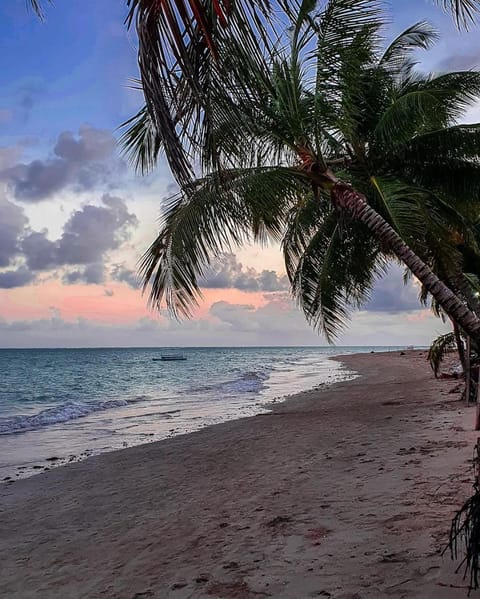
(323, 146)
(191, 15)
(178, 81)
(181, 38)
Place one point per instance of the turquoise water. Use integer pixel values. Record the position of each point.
(76, 402)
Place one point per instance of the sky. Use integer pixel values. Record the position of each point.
(75, 219)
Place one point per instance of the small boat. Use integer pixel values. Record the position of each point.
(169, 358)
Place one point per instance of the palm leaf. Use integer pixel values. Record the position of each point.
(397, 58)
(179, 44)
(332, 265)
(219, 212)
(37, 7)
(457, 178)
(401, 204)
(339, 24)
(463, 11)
(140, 142)
(460, 141)
(426, 104)
(439, 349)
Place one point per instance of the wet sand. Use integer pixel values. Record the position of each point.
(344, 492)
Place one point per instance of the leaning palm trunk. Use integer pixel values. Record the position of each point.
(468, 370)
(460, 346)
(346, 199)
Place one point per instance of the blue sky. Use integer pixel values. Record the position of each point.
(65, 90)
(73, 68)
(76, 66)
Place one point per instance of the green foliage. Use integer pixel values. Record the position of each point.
(463, 11)
(397, 58)
(220, 211)
(439, 349)
(332, 268)
(465, 530)
(179, 43)
(272, 121)
(141, 142)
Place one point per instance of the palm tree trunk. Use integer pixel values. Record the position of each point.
(460, 347)
(477, 409)
(346, 199)
(468, 373)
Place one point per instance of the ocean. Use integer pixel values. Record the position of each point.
(61, 405)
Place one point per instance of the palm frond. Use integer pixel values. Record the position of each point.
(463, 11)
(425, 105)
(332, 266)
(179, 60)
(340, 23)
(140, 141)
(464, 537)
(219, 212)
(457, 178)
(37, 7)
(398, 57)
(458, 91)
(460, 141)
(445, 160)
(401, 204)
(439, 348)
(394, 128)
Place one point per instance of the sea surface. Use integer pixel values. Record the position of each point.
(61, 405)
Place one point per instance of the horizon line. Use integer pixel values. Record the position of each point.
(414, 346)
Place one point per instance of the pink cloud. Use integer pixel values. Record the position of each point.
(420, 316)
(121, 305)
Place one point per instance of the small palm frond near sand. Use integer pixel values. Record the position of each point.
(438, 350)
(465, 530)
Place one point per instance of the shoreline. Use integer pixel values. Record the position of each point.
(62, 443)
(344, 489)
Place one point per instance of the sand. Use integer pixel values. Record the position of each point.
(345, 492)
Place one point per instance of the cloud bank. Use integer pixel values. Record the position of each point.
(89, 234)
(82, 162)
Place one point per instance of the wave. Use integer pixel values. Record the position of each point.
(249, 382)
(62, 413)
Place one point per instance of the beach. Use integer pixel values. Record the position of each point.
(342, 492)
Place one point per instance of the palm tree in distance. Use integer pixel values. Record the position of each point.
(328, 143)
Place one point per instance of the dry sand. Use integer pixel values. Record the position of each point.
(345, 492)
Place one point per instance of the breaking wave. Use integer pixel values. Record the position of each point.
(62, 413)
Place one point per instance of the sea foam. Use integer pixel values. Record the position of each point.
(61, 413)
